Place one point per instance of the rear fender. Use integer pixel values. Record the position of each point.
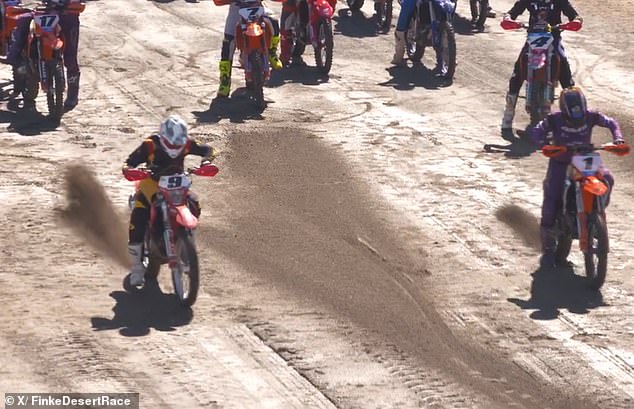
(324, 8)
(185, 218)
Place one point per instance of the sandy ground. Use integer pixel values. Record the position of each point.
(359, 247)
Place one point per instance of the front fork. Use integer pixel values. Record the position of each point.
(582, 216)
(168, 235)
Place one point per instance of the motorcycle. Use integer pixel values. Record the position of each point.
(431, 24)
(253, 39)
(479, 12)
(582, 212)
(542, 70)
(169, 238)
(319, 31)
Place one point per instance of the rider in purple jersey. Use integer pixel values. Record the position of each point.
(573, 125)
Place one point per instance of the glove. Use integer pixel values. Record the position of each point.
(506, 16)
(619, 142)
(579, 19)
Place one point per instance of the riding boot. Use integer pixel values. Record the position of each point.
(225, 78)
(399, 48)
(509, 112)
(72, 97)
(275, 62)
(137, 271)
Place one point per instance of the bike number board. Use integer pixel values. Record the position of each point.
(251, 13)
(174, 182)
(587, 164)
(539, 41)
(46, 22)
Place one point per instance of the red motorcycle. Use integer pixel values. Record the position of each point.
(318, 32)
(582, 212)
(169, 238)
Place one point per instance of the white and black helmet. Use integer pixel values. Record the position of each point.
(173, 135)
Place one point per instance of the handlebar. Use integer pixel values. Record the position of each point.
(134, 174)
(574, 25)
(552, 151)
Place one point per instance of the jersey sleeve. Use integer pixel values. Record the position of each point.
(568, 10)
(539, 132)
(199, 149)
(518, 8)
(140, 154)
(605, 121)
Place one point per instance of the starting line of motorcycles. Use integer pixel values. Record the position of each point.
(169, 240)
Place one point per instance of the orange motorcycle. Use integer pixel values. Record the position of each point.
(583, 204)
(253, 39)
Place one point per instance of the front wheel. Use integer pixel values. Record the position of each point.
(446, 51)
(324, 47)
(596, 256)
(256, 62)
(383, 10)
(536, 102)
(185, 277)
(55, 92)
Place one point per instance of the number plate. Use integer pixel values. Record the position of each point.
(174, 182)
(46, 22)
(587, 164)
(251, 13)
(539, 41)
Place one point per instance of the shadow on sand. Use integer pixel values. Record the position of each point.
(21, 119)
(417, 75)
(560, 288)
(136, 313)
(518, 146)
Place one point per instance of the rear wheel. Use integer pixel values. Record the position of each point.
(596, 257)
(185, 277)
(325, 44)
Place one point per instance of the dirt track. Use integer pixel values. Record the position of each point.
(357, 229)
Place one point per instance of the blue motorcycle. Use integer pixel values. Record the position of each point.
(431, 24)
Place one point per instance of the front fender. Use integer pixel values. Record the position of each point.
(185, 218)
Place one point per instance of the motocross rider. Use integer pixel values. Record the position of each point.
(442, 8)
(228, 43)
(288, 8)
(541, 12)
(69, 23)
(163, 153)
(572, 125)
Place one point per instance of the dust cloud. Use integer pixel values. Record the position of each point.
(91, 214)
(526, 225)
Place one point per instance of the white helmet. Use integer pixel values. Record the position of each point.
(173, 135)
